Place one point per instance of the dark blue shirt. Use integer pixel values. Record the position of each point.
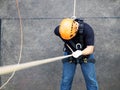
(88, 36)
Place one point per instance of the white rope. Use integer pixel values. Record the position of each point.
(74, 10)
(69, 48)
(17, 67)
(21, 45)
(14, 68)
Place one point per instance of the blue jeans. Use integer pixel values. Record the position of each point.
(88, 70)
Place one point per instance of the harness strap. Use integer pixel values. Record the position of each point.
(78, 46)
(78, 61)
(81, 28)
(80, 42)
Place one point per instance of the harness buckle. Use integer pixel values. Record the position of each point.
(78, 46)
(70, 61)
(85, 60)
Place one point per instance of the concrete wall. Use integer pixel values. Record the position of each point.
(40, 17)
(0, 49)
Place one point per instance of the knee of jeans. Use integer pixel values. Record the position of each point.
(92, 82)
(91, 79)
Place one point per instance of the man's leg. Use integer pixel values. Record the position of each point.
(88, 70)
(67, 76)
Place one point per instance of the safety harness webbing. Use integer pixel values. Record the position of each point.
(81, 28)
(78, 46)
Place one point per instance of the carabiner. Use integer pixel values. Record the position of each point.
(78, 46)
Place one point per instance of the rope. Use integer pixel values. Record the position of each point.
(13, 68)
(74, 10)
(17, 67)
(69, 48)
(21, 45)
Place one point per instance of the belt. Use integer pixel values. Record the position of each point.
(78, 61)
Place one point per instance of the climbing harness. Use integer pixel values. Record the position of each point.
(17, 67)
(80, 43)
(79, 46)
(72, 46)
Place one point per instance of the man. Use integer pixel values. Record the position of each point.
(78, 40)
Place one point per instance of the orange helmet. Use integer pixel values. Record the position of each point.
(68, 28)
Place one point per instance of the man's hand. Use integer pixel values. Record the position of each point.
(77, 53)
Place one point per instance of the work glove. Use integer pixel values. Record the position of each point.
(77, 53)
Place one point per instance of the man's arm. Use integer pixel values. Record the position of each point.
(88, 50)
(89, 41)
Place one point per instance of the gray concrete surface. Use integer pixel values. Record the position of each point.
(0, 50)
(40, 17)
